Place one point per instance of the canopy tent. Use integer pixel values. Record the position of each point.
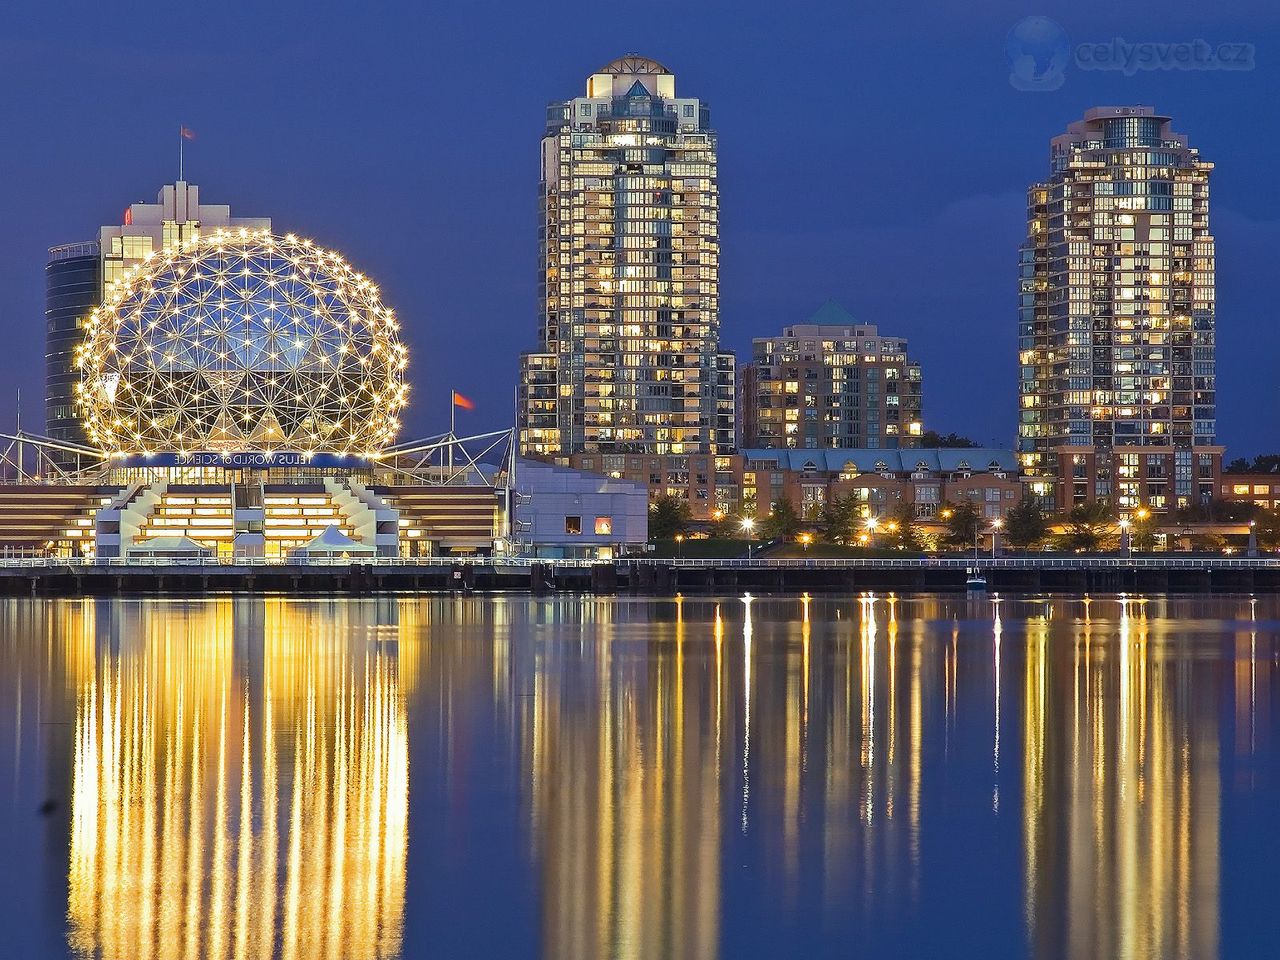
(332, 542)
(169, 547)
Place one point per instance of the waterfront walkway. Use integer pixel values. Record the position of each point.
(1023, 573)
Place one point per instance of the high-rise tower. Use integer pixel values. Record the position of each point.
(629, 249)
(1116, 334)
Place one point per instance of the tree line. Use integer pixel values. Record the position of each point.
(1095, 526)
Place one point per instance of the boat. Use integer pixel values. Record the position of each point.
(975, 580)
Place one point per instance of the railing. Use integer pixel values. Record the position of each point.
(985, 563)
(65, 251)
(99, 563)
(797, 563)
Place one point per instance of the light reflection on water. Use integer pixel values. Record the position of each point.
(584, 777)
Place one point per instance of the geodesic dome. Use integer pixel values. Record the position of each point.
(242, 341)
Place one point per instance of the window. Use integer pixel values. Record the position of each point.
(573, 526)
(1240, 489)
(604, 526)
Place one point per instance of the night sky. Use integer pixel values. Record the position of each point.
(872, 153)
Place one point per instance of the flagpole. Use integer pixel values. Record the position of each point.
(453, 413)
(181, 138)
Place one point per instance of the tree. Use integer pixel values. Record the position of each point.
(783, 522)
(932, 440)
(1025, 525)
(1263, 463)
(962, 521)
(726, 526)
(902, 531)
(1143, 527)
(1087, 525)
(667, 516)
(839, 518)
(1216, 511)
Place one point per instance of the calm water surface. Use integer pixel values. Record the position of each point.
(594, 778)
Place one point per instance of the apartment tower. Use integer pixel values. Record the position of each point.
(1116, 332)
(628, 359)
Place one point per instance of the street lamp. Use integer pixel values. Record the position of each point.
(1126, 544)
(1253, 538)
(679, 544)
(996, 524)
(805, 540)
(748, 524)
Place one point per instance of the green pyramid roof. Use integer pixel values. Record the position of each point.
(831, 314)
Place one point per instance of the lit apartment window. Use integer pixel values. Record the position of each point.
(573, 526)
(604, 526)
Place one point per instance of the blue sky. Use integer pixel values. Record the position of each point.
(872, 153)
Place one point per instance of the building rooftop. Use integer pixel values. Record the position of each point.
(829, 320)
(874, 460)
(633, 63)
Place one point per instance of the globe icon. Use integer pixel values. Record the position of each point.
(1038, 52)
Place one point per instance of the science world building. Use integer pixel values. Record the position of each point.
(240, 395)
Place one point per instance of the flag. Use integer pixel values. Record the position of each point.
(188, 133)
(460, 401)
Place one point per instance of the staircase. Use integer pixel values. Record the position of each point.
(49, 519)
(443, 519)
(295, 514)
(201, 512)
(245, 519)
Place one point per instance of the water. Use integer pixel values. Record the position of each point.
(591, 778)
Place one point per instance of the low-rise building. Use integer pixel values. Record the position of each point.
(1261, 489)
(562, 512)
(883, 480)
(749, 481)
(830, 382)
(1158, 478)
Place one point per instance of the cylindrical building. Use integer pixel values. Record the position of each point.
(73, 288)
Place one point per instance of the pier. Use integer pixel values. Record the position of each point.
(640, 576)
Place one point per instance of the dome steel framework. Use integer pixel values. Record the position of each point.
(242, 341)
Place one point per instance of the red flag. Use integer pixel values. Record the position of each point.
(460, 401)
(188, 133)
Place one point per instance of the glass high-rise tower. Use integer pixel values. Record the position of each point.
(629, 248)
(1116, 333)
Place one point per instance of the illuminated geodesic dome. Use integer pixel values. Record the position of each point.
(242, 341)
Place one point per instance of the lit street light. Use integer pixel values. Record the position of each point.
(996, 524)
(748, 525)
(1126, 542)
(679, 545)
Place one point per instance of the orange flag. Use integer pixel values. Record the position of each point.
(460, 401)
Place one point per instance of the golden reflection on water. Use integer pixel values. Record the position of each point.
(1122, 789)
(240, 782)
(240, 768)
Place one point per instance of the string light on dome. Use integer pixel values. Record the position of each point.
(166, 367)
